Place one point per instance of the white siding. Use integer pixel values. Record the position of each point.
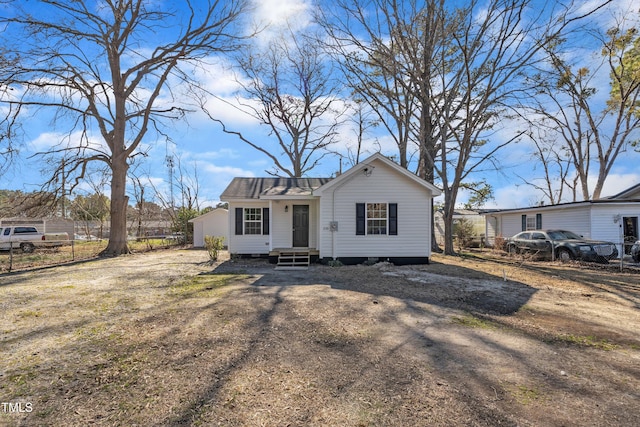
(214, 223)
(247, 244)
(603, 225)
(282, 222)
(198, 234)
(384, 185)
(575, 219)
(493, 225)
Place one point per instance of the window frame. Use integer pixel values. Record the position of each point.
(260, 216)
(368, 219)
(531, 222)
(374, 221)
(252, 221)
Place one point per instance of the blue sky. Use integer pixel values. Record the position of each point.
(199, 144)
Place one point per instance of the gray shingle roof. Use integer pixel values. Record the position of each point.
(253, 188)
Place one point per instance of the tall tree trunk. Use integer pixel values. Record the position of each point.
(119, 202)
(448, 211)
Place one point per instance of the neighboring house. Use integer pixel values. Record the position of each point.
(469, 215)
(213, 223)
(376, 210)
(613, 219)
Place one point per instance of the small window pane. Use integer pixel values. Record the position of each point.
(376, 218)
(253, 221)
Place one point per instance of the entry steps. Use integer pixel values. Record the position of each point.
(293, 259)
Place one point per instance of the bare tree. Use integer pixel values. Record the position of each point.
(361, 120)
(8, 123)
(593, 132)
(556, 165)
(387, 51)
(368, 39)
(111, 68)
(288, 88)
(464, 69)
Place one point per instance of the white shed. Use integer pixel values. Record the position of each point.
(213, 223)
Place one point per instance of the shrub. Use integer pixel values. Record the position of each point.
(214, 245)
(464, 232)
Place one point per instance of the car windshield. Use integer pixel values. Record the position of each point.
(563, 235)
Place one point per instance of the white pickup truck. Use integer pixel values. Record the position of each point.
(28, 238)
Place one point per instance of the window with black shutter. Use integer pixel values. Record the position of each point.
(239, 218)
(360, 219)
(265, 221)
(376, 218)
(393, 219)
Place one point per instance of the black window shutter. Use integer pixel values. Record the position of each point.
(360, 219)
(524, 223)
(238, 220)
(393, 219)
(265, 220)
(538, 221)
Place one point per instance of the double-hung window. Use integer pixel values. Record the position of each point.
(376, 218)
(252, 221)
(531, 222)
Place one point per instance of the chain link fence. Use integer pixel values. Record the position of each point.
(16, 259)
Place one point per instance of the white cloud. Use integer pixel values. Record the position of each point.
(47, 141)
(513, 196)
(610, 15)
(616, 183)
(230, 112)
(276, 16)
(226, 153)
(227, 171)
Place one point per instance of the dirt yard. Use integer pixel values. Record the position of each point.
(166, 339)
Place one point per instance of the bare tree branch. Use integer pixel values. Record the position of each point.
(105, 68)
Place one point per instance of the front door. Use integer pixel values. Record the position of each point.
(630, 232)
(300, 226)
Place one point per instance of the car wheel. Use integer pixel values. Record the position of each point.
(564, 255)
(27, 248)
(513, 249)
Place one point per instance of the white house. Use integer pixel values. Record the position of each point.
(213, 223)
(613, 219)
(375, 210)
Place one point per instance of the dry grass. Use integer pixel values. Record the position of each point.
(76, 251)
(163, 338)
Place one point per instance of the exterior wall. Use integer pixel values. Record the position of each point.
(575, 219)
(593, 221)
(247, 244)
(384, 185)
(477, 220)
(282, 222)
(214, 223)
(604, 225)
